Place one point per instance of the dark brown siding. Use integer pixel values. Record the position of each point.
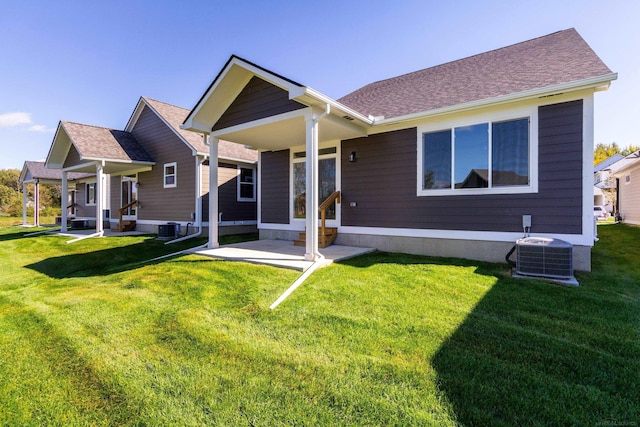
(257, 100)
(164, 146)
(228, 204)
(383, 183)
(73, 157)
(275, 186)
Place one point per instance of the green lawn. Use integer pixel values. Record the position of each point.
(89, 335)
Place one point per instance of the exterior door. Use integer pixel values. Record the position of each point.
(327, 160)
(71, 201)
(129, 193)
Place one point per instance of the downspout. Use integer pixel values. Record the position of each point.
(199, 162)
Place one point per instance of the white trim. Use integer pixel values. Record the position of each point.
(254, 183)
(298, 226)
(337, 155)
(174, 175)
(259, 189)
(490, 236)
(184, 223)
(86, 192)
(588, 229)
(132, 162)
(598, 83)
(530, 111)
(302, 112)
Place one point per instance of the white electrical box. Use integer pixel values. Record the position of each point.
(526, 221)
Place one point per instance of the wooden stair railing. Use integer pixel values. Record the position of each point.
(121, 225)
(326, 235)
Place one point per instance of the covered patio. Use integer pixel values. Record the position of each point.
(280, 253)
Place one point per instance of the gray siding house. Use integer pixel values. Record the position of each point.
(153, 173)
(444, 161)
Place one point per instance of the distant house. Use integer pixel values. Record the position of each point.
(152, 172)
(605, 186)
(37, 174)
(394, 161)
(627, 173)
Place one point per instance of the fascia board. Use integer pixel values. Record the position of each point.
(102, 159)
(597, 83)
(311, 96)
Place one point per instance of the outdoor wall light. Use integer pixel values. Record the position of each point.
(352, 156)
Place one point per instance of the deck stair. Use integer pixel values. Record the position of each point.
(126, 225)
(325, 238)
(326, 235)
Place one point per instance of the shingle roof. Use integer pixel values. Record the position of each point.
(175, 116)
(557, 58)
(95, 142)
(38, 170)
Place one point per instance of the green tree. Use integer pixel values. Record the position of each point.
(604, 151)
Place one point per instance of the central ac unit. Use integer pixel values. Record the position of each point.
(544, 257)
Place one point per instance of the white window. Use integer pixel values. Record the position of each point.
(627, 179)
(170, 175)
(476, 158)
(246, 184)
(90, 194)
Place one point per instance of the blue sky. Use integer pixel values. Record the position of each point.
(90, 61)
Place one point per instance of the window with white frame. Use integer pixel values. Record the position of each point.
(485, 157)
(170, 175)
(246, 184)
(90, 193)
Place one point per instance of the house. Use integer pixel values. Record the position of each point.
(605, 187)
(387, 163)
(151, 173)
(627, 174)
(37, 174)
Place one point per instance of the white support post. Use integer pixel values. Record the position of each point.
(24, 203)
(36, 203)
(198, 211)
(64, 199)
(311, 207)
(99, 198)
(213, 193)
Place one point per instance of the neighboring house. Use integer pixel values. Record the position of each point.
(151, 173)
(627, 173)
(605, 186)
(399, 149)
(36, 173)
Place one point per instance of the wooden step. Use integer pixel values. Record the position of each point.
(324, 239)
(127, 225)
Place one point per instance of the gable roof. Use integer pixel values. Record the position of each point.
(552, 60)
(37, 170)
(631, 160)
(98, 143)
(608, 162)
(173, 116)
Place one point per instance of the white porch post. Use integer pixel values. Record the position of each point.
(63, 201)
(99, 198)
(213, 193)
(311, 208)
(36, 203)
(24, 203)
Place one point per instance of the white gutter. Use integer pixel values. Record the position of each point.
(313, 267)
(593, 82)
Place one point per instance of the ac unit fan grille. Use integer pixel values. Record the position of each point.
(546, 258)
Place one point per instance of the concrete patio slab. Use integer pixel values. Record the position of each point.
(280, 253)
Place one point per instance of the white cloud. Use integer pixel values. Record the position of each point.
(8, 120)
(40, 128)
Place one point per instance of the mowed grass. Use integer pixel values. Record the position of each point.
(90, 335)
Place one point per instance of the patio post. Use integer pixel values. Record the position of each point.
(64, 201)
(24, 203)
(36, 203)
(213, 193)
(311, 208)
(99, 198)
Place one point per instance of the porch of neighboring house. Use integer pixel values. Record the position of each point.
(280, 253)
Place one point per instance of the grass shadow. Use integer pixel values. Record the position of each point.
(108, 261)
(531, 353)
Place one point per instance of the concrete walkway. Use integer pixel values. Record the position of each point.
(280, 253)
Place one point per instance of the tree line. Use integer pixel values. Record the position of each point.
(11, 195)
